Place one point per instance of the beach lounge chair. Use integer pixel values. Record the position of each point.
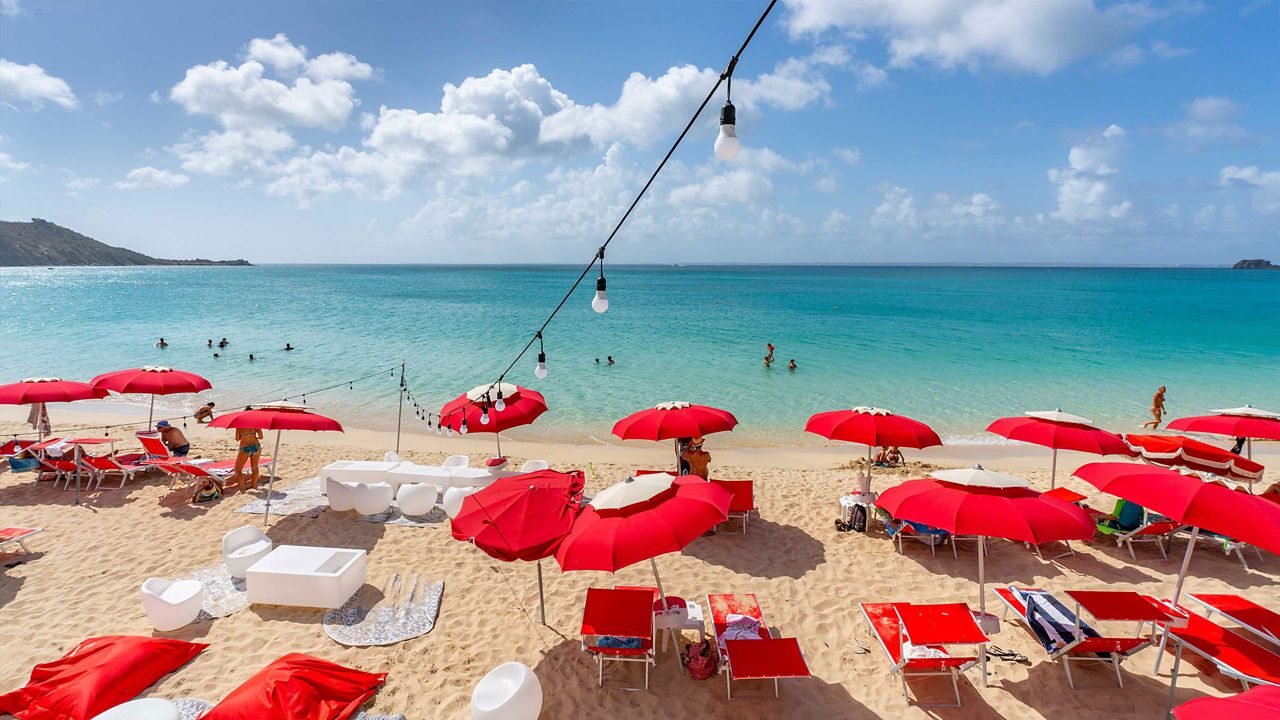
(153, 447)
(1228, 545)
(1260, 621)
(18, 535)
(1130, 523)
(13, 448)
(1234, 655)
(618, 626)
(748, 651)
(743, 502)
(62, 470)
(1063, 634)
(99, 466)
(931, 536)
(915, 660)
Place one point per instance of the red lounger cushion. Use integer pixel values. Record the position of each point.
(299, 687)
(97, 675)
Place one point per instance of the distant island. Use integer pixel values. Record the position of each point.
(1255, 265)
(42, 243)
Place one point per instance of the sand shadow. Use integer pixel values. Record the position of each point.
(9, 587)
(768, 549)
(1045, 687)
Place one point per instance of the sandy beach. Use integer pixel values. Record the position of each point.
(83, 578)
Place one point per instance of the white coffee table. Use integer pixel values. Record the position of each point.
(354, 471)
(304, 576)
(442, 477)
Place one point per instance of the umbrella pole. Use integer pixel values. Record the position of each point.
(868, 468)
(151, 412)
(1053, 472)
(542, 600)
(1186, 562)
(982, 596)
(400, 408)
(77, 456)
(658, 579)
(498, 437)
(271, 481)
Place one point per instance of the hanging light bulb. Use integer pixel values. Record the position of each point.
(463, 429)
(540, 370)
(484, 414)
(727, 145)
(600, 302)
(501, 404)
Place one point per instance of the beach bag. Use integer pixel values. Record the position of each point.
(23, 464)
(859, 518)
(700, 660)
(208, 493)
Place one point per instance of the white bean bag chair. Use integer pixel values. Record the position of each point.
(534, 466)
(171, 604)
(456, 461)
(509, 692)
(453, 497)
(243, 547)
(416, 498)
(340, 495)
(373, 498)
(142, 709)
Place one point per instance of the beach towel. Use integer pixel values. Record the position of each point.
(299, 687)
(38, 419)
(1053, 624)
(95, 676)
(740, 627)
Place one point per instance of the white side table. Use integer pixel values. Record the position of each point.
(849, 502)
(677, 620)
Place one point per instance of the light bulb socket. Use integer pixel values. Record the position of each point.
(542, 357)
(728, 114)
(600, 284)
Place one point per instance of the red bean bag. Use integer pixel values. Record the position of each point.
(299, 687)
(95, 676)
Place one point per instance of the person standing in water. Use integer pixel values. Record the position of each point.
(1157, 410)
(769, 354)
(791, 365)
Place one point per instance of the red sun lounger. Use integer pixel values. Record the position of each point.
(925, 658)
(99, 466)
(762, 657)
(1247, 614)
(618, 626)
(743, 502)
(18, 535)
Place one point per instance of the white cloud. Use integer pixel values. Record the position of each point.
(1165, 51)
(828, 183)
(740, 186)
(1038, 36)
(851, 156)
(977, 205)
(220, 153)
(102, 98)
(836, 223)
(1085, 189)
(149, 178)
(9, 162)
(1208, 120)
(1265, 185)
(155, 97)
(31, 84)
(1125, 57)
(283, 56)
(10, 8)
(897, 209)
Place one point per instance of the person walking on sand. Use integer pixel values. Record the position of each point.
(249, 441)
(698, 459)
(1157, 410)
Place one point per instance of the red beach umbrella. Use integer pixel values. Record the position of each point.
(1260, 702)
(151, 380)
(1014, 513)
(278, 417)
(1059, 431)
(1191, 501)
(38, 391)
(1179, 451)
(672, 421)
(612, 539)
(522, 517)
(1246, 422)
(872, 426)
(492, 408)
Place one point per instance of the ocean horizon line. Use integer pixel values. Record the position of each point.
(750, 265)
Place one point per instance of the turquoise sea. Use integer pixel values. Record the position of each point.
(953, 346)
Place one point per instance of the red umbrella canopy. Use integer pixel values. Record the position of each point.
(872, 426)
(1060, 435)
(1259, 427)
(672, 420)
(1179, 451)
(522, 517)
(520, 406)
(1190, 500)
(1014, 513)
(48, 390)
(613, 539)
(1260, 702)
(151, 380)
(277, 417)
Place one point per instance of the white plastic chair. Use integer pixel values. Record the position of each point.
(392, 456)
(416, 498)
(534, 466)
(509, 692)
(339, 494)
(373, 498)
(243, 547)
(171, 604)
(456, 461)
(453, 498)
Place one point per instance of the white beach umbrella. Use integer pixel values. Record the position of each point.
(977, 476)
(633, 490)
(1058, 416)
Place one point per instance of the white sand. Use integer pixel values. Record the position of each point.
(83, 581)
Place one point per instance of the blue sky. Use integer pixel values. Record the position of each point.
(1076, 131)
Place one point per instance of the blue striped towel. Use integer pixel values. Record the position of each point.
(1053, 624)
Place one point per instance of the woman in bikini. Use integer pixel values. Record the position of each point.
(250, 442)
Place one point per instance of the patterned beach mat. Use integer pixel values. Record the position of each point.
(191, 709)
(223, 594)
(407, 610)
(304, 498)
(393, 516)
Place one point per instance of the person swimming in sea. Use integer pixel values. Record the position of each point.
(609, 360)
(162, 344)
(250, 357)
(768, 361)
(209, 342)
(792, 364)
(287, 346)
(223, 343)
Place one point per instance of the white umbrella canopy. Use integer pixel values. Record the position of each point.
(977, 476)
(1249, 411)
(633, 490)
(1058, 416)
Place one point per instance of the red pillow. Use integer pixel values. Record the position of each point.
(97, 675)
(298, 687)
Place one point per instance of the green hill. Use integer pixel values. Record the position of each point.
(41, 242)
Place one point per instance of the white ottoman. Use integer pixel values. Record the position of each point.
(372, 499)
(453, 498)
(171, 604)
(416, 499)
(144, 709)
(303, 576)
(339, 494)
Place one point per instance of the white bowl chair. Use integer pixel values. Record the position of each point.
(340, 496)
(453, 498)
(509, 692)
(171, 604)
(456, 461)
(534, 466)
(416, 498)
(372, 498)
(243, 547)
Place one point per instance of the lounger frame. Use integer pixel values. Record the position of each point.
(951, 670)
